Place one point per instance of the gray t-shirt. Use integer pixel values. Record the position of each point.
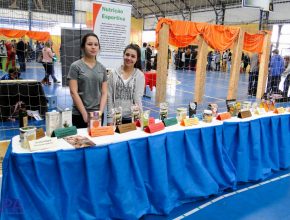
(89, 84)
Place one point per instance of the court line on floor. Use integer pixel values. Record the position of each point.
(207, 96)
(228, 195)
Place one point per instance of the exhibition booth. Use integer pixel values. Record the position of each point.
(128, 175)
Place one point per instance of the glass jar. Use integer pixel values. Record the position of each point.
(181, 114)
(135, 111)
(163, 112)
(207, 116)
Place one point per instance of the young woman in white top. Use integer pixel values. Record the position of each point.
(126, 84)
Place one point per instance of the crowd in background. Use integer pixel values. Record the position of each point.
(185, 58)
(23, 52)
(182, 59)
(13, 50)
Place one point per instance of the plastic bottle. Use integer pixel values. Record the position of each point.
(23, 117)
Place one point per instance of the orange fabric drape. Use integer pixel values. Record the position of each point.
(36, 35)
(253, 42)
(218, 37)
(183, 33)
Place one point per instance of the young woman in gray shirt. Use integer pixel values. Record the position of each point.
(87, 82)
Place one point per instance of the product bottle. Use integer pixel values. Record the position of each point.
(23, 117)
(94, 121)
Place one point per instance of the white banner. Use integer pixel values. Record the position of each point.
(112, 24)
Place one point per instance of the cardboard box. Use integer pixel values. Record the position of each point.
(52, 121)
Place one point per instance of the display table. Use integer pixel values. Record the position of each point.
(150, 79)
(257, 147)
(127, 177)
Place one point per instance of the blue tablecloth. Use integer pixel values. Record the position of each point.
(123, 180)
(258, 147)
(148, 175)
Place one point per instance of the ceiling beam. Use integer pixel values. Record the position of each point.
(153, 12)
(138, 11)
(186, 6)
(162, 12)
(193, 9)
(181, 11)
(160, 4)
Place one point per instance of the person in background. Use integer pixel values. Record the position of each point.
(217, 61)
(246, 61)
(3, 53)
(54, 59)
(126, 84)
(87, 82)
(187, 58)
(20, 51)
(253, 75)
(143, 56)
(277, 67)
(13, 73)
(148, 56)
(173, 58)
(179, 62)
(193, 59)
(47, 63)
(209, 59)
(224, 62)
(284, 84)
(11, 52)
(38, 51)
(29, 53)
(229, 60)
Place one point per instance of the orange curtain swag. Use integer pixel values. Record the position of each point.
(36, 35)
(218, 37)
(183, 33)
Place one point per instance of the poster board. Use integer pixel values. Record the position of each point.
(112, 24)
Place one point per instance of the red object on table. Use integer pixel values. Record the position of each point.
(150, 79)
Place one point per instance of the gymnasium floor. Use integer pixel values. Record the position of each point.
(267, 200)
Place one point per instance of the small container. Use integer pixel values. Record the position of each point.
(163, 112)
(135, 113)
(27, 134)
(207, 116)
(254, 106)
(192, 109)
(145, 119)
(271, 104)
(94, 120)
(181, 114)
(52, 121)
(246, 105)
(117, 116)
(66, 118)
(214, 108)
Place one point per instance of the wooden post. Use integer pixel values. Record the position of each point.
(200, 70)
(263, 70)
(236, 65)
(162, 59)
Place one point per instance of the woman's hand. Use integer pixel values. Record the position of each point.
(85, 117)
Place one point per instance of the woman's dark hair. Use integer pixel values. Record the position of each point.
(84, 40)
(137, 49)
